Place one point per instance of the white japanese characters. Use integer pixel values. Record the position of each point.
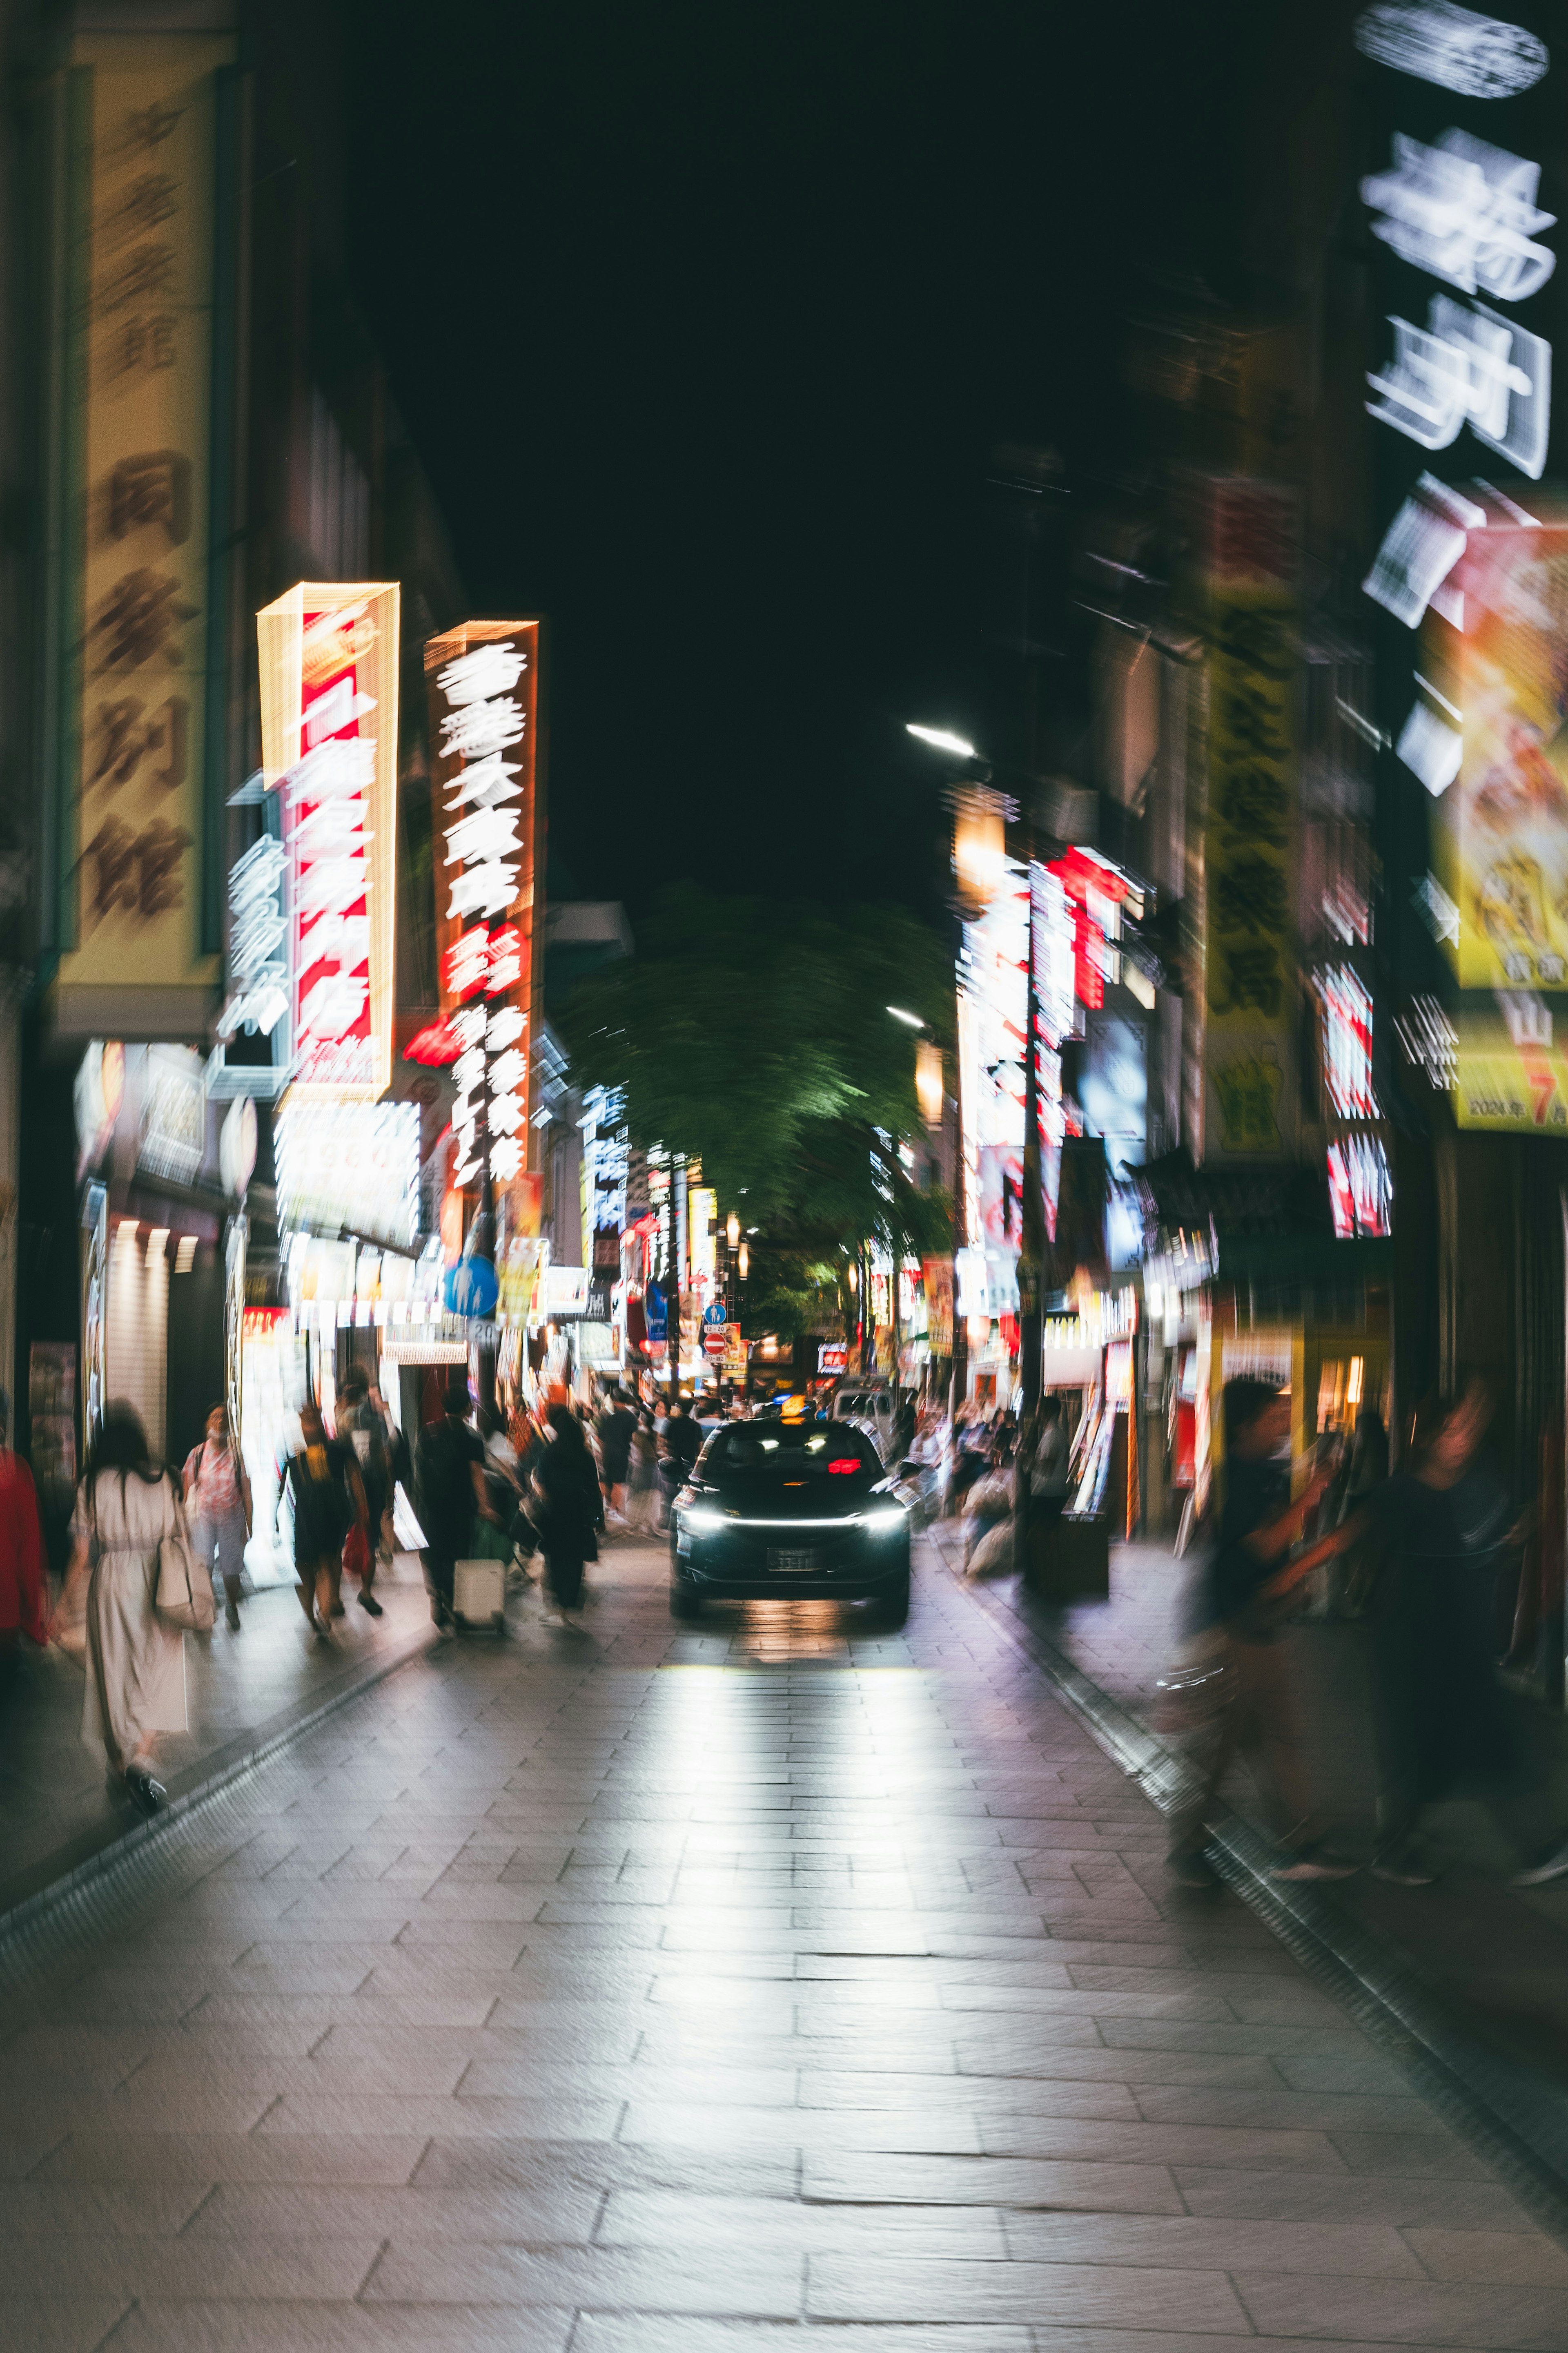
(483, 722)
(258, 942)
(1466, 212)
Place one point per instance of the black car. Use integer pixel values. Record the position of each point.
(791, 1509)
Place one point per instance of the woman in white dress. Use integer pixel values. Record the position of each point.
(135, 1659)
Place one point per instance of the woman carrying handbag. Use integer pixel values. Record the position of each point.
(131, 1551)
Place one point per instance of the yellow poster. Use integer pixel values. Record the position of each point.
(140, 338)
(1248, 866)
(1512, 1084)
(1491, 700)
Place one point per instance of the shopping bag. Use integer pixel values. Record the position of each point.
(185, 1592)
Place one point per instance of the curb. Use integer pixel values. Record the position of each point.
(1520, 2129)
(87, 1899)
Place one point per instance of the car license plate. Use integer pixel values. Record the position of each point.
(795, 1560)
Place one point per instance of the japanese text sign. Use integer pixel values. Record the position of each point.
(1248, 850)
(329, 657)
(140, 335)
(483, 682)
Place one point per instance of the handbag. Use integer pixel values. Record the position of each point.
(184, 1595)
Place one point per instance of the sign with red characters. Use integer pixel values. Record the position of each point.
(328, 657)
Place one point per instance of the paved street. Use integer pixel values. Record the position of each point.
(778, 1986)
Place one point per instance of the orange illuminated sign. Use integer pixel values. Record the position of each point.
(328, 654)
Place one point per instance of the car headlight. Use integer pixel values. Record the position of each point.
(700, 1522)
(883, 1523)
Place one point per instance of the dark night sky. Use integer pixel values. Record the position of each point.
(706, 320)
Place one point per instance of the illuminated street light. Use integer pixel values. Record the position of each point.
(942, 741)
(912, 1019)
(732, 1231)
(743, 1263)
(929, 1086)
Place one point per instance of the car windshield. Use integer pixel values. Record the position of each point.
(786, 1452)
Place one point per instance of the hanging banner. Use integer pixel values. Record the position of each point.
(327, 656)
(483, 684)
(1490, 693)
(133, 488)
(1249, 835)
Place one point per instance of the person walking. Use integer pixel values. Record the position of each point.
(568, 1490)
(1443, 1723)
(644, 1472)
(616, 1423)
(1049, 1469)
(23, 1587)
(449, 1490)
(125, 1506)
(681, 1444)
(217, 1503)
(1258, 1522)
(363, 1428)
(328, 1500)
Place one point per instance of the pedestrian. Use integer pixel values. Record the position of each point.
(616, 1423)
(449, 1490)
(327, 1494)
(126, 1505)
(1443, 1725)
(681, 1445)
(644, 1471)
(217, 1504)
(1049, 1470)
(365, 1429)
(567, 1488)
(24, 1588)
(1258, 1522)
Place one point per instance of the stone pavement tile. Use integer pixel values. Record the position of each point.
(1531, 2319)
(847, 2288)
(714, 2226)
(1185, 2034)
(857, 2178)
(96, 2210)
(1518, 2259)
(550, 2213)
(1435, 2152)
(192, 2266)
(1196, 2243)
(983, 2094)
(502, 2164)
(34, 2323)
(756, 2283)
(1146, 2144)
(1330, 2112)
(209, 2157)
(740, 2130)
(1398, 2198)
(367, 2114)
(612, 2333)
(192, 2325)
(1026, 2058)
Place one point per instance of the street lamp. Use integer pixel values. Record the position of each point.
(732, 1230)
(940, 740)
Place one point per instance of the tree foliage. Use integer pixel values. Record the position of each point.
(756, 1037)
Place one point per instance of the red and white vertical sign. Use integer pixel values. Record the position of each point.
(328, 659)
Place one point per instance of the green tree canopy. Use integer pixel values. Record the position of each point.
(757, 1038)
